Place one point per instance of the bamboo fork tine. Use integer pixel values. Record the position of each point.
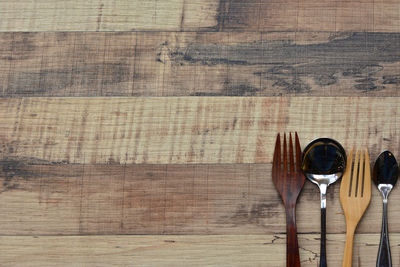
(367, 176)
(354, 178)
(360, 179)
(345, 185)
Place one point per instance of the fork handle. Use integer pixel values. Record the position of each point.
(348, 251)
(384, 257)
(322, 262)
(292, 244)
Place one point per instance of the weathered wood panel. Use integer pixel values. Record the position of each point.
(199, 64)
(107, 15)
(187, 250)
(308, 15)
(189, 129)
(178, 15)
(65, 199)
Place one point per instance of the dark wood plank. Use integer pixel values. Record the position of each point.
(198, 64)
(309, 15)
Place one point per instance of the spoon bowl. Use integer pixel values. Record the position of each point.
(386, 170)
(385, 175)
(323, 163)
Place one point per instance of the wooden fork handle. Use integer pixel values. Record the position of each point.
(348, 251)
(292, 244)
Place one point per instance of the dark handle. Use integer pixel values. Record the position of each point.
(292, 244)
(384, 258)
(322, 262)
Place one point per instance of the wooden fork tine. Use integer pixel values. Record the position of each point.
(354, 178)
(298, 153)
(276, 163)
(284, 154)
(360, 180)
(345, 185)
(291, 154)
(367, 176)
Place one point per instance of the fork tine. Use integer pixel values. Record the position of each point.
(360, 180)
(354, 177)
(345, 185)
(291, 154)
(366, 191)
(298, 153)
(276, 163)
(284, 154)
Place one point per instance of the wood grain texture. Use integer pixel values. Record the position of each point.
(74, 199)
(178, 15)
(238, 250)
(308, 15)
(188, 130)
(199, 64)
(107, 15)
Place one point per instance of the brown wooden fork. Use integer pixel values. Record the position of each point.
(289, 180)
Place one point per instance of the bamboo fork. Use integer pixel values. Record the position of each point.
(355, 195)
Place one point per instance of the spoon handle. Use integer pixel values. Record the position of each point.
(292, 245)
(322, 262)
(384, 257)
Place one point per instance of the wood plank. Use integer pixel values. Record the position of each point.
(308, 15)
(107, 15)
(188, 130)
(70, 199)
(178, 15)
(242, 250)
(199, 64)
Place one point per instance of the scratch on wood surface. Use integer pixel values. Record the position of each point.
(99, 16)
(183, 15)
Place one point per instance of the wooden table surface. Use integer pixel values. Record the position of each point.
(141, 133)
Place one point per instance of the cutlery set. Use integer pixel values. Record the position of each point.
(323, 162)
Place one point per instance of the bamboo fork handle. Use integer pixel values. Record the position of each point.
(292, 244)
(348, 250)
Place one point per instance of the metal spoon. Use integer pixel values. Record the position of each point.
(385, 174)
(324, 162)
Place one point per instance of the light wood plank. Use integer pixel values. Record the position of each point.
(189, 129)
(177, 15)
(71, 199)
(241, 250)
(199, 64)
(107, 15)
